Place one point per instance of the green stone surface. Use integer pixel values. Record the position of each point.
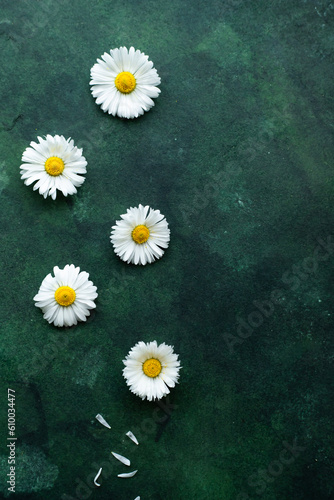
(237, 153)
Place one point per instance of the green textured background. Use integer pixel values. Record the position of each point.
(238, 155)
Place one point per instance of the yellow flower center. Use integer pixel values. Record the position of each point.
(125, 82)
(65, 295)
(152, 367)
(140, 234)
(54, 165)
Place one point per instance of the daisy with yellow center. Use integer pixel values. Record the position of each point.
(54, 163)
(67, 297)
(141, 235)
(151, 369)
(124, 82)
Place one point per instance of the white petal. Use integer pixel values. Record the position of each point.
(132, 437)
(122, 459)
(102, 421)
(96, 477)
(128, 474)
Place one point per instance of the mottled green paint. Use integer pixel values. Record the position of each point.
(238, 155)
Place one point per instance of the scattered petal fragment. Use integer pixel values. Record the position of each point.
(96, 477)
(128, 474)
(122, 459)
(102, 421)
(133, 438)
(137, 498)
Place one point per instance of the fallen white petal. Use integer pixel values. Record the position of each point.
(128, 474)
(96, 477)
(134, 439)
(137, 498)
(122, 459)
(102, 421)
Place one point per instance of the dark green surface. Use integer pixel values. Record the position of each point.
(238, 155)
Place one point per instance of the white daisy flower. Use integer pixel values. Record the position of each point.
(124, 83)
(140, 236)
(55, 163)
(150, 369)
(67, 297)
